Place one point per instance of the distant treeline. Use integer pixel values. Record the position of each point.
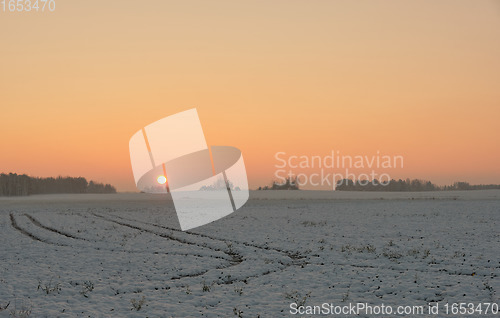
(17, 185)
(406, 185)
(289, 184)
(400, 185)
(220, 184)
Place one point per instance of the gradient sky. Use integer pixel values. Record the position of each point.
(414, 78)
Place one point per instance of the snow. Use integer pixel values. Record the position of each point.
(101, 255)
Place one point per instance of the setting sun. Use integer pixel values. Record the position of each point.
(161, 179)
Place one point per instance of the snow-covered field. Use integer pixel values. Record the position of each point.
(123, 256)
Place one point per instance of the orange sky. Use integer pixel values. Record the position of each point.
(414, 78)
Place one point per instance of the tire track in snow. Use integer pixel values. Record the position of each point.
(236, 258)
(48, 228)
(39, 224)
(295, 256)
(233, 257)
(292, 255)
(16, 226)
